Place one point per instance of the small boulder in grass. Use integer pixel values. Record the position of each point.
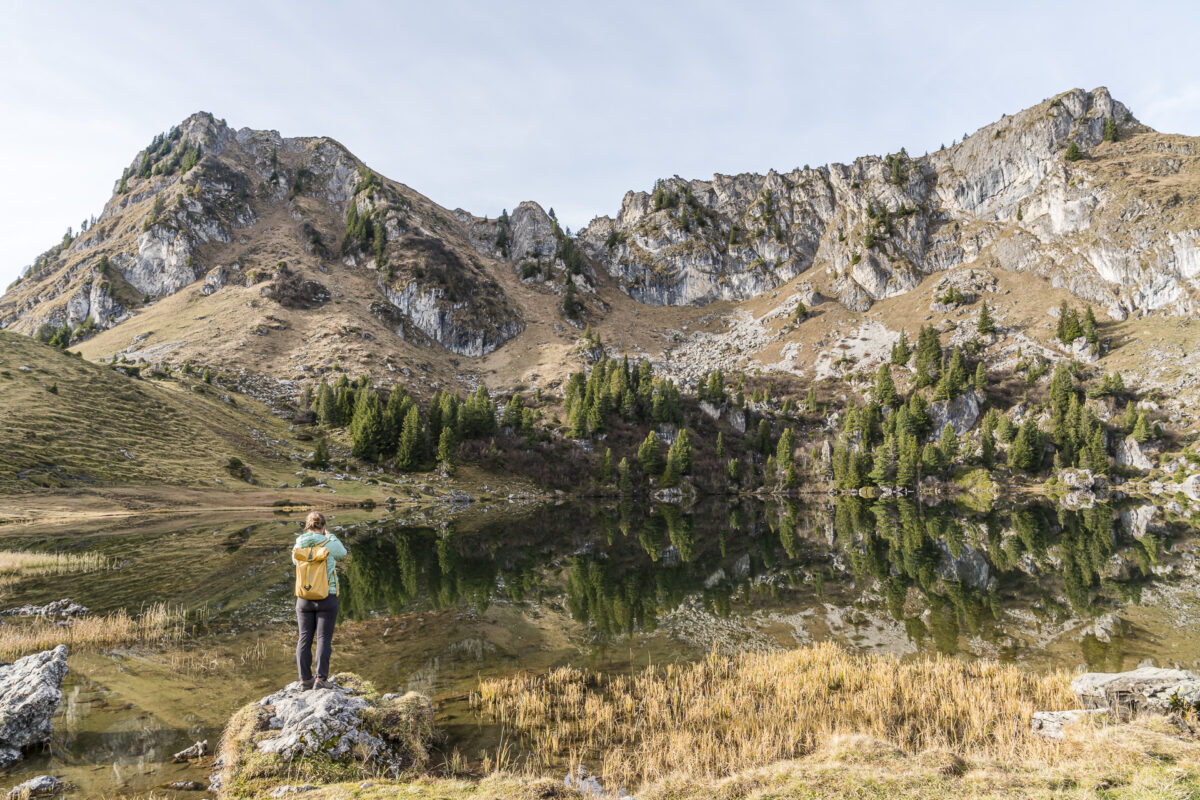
(313, 737)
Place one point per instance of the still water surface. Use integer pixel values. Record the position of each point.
(613, 587)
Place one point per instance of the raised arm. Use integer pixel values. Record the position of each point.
(336, 548)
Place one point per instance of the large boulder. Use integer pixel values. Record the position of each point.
(318, 735)
(961, 413)
(1145, 689)
(30, 691)
(1129, 454)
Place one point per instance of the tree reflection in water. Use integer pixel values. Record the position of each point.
(946, 574)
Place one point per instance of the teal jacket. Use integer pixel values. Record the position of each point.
(337, 551)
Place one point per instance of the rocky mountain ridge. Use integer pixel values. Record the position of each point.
(215, 239)
(1107, 221)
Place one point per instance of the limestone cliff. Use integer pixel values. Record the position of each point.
(1073, 189)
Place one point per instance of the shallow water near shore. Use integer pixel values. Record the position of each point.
(613, 587)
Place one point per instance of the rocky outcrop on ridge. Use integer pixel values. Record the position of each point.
(1005, 197)
(29, 695)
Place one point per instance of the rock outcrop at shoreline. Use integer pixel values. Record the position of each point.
(57, 608)
(1145, 689)
(30, 691)
(1122, 695)
(314, 735)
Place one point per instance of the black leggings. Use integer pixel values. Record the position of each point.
(315, 617)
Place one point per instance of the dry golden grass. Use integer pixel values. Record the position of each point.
(710, 719)
(23, 564)
(157, 623)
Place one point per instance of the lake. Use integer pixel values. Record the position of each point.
(432, 607)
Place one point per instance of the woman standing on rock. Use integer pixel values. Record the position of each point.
(315, 556)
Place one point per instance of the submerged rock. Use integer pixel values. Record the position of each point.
(30, 691)
(295, 733)
(198, 750)
(41, 786)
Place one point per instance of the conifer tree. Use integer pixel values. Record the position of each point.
(606, 466)
(720, 445)
(1131, 417)
(1111, 134)
(366, 429)
(987, 447)
(918, 412)
(762, 437)
(393, 418)
(513, 412)
(784, 451)
(320, 456)
(986, 324)
(1097, 452)
(811, 400)
(948, 445)
(408, 451)
(929, 357)
(683, 451)
(1025, 452)
(980, 381)
(733, 471)
(624, 481)
(901, 350)
(883, 471)
(1141, 429)
(931, 459)
(672, 470)
(324, 405)
(649, 455)
(1089, 326)
(446, 460)
(343, 402)
(885, 388)
(1004, 429)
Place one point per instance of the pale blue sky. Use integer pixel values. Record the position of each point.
(482, 105)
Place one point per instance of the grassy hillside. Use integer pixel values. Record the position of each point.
(69, 422)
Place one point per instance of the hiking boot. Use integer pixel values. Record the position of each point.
(306, 685)
(324, 683)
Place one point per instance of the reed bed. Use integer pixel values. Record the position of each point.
(725, 714)
(21, 564)
(157, 623)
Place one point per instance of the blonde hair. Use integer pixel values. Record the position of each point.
(315, 521)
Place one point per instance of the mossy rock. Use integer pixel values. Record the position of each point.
(323, 737)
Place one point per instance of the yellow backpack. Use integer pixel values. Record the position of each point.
(312, 575)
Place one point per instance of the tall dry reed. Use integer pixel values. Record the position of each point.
(20, 563)
(724, 714)
(20, 636)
